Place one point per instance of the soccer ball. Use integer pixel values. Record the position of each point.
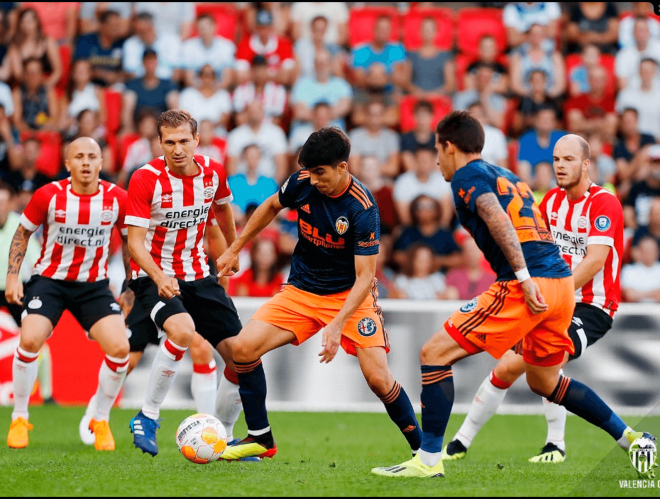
(201, 438)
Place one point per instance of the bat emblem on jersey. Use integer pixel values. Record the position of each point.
(341, 225)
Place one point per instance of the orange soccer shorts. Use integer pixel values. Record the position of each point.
(499, 319)
(304, 314)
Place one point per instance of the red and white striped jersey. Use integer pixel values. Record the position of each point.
(175, 209)
(77, 229)
(595, 218)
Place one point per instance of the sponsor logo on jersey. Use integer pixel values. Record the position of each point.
(602, 223)
(107, 215)
(35, 303)
(582, 223)
(209, 192)
(469, 306)
(367, 327)
(341, 225)
(312, 234)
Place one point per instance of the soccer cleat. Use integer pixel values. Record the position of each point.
(412, 469)
(549, 454)
(17, 438)
(250, 447)
(144, 433)
(244, 459)
(454, 451)
(86, 435)
(103, 439)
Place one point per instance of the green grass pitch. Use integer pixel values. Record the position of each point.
(320, 454)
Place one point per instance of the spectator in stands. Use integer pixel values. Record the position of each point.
(543, 181)
(421, 281)
(640, 281)
(430, 72)
(25, 176)
(593, 22)
(167, 45)
(5, 66)
(304, 14)
(636, 206)
(520, 16)
(280, 12)
(209, 48)
(81, 94)
(424, 178)
(579, 75)
(251, 187)
(6, 100)
(530, 104)
(602, 166)
(628, 59)
(484, 91)
(148, 92)
(272, 95)
(207, 100)
(103, 49)
(91, 14)
(374, 139)
(321, 118)
(30, 42)
(269, 137)
(495, 150)
(537, 53)
(537, 144)
(323, 87)
(384, 274)
(87, 124)
(593, 111)
(169, 17)
(473, 277)
(278, 51)
(645, 98)
(35, 103)
(8, 150)
(138, 153)
(263, 278)
(307, 47)
(487, 54)
(210, 145)
(59, 19)
(627, 24)
(422, 136)
(627, 148)
(653, 227)
(369, 173)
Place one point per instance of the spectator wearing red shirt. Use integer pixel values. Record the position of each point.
(593, 111)
(277, 50)
(263, 278)
(60, 19)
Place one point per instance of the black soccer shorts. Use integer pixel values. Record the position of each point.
(589, 325)
(141, 329)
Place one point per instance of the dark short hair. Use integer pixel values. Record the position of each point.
(423, 104)
(630, 110)
(206, 15)
(461, 129)
(259, 60)
(316, 18)
(250, 145)
(426, 148)
(106, 15)
(146, 113)
(8, 188)
(30, 60)
(327, 146)
(545, 106)
(145, 16)
(648, 59)
(321, 103)
(174, 118)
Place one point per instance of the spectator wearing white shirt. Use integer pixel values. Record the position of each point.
(627, 24)
(640, 281)
(138, 153)
(495, 150)
(209, 48)
(645, 98)
(210, 145)
(420, 282)
(206, 101)
(272, 95)
(520, 16)
(336, 13)
(170, 17)
(166, 45)
(626, 66)
(424, 178)
(269, 137)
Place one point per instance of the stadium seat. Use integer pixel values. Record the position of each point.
(473, 23)
(113, 110)
(49, 161)
(362, 20)
(606, 61)
(512, 146)
(65, 60)
(441, 106)
(225, 15)
(412, 22)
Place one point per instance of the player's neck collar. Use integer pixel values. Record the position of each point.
(348, 186)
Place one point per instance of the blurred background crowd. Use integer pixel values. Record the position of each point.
(260, 77)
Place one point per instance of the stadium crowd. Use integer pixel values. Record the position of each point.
(260, 77)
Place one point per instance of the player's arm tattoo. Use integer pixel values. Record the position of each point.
(17, 249)
(500, 227)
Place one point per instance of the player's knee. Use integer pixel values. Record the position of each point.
(118, 349)
(30, 343)
(180, 332)
(541, 386)
(510, 368)
(379, 382)
(243, 351)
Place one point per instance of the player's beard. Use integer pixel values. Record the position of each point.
(570, 181)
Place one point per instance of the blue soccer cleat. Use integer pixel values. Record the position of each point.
(144, 433)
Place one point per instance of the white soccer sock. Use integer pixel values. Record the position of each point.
(204, 385)
(91, 407)
(485, 403)
(111, 378)
(24, 370)
(228, 405)
(429, 458)
(163, 373)
(555, 415)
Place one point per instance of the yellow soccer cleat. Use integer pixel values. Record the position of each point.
(17, 438)
(454, 451)
(102, 434)
(549, 454)
(413, 469)
(249, 448)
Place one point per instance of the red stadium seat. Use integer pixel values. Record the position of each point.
(124, 143)
(512, 146)
(606, 61)
(441, 107)
(509, 115)
(473, 23)
(49, 161)
(362, 20)
(444, 19)
(65, 61)
(226, 18)
(113, 110)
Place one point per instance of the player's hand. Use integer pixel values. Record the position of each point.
(168, 288)
(126, 301)
(14, 291)
(227, 264)
(331, 340)
(533, 297)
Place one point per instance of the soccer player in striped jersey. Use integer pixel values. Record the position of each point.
(169, 203)
(78, 215)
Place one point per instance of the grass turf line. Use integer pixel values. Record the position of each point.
(320, 454)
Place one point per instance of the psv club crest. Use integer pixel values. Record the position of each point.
(341, 225)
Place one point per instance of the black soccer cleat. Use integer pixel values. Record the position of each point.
(454, 451)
